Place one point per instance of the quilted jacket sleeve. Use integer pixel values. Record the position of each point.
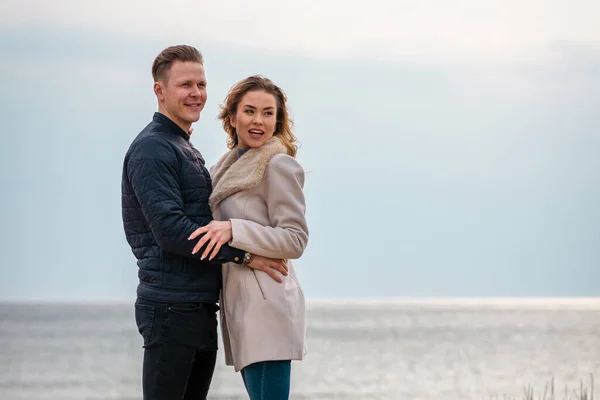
(152, 172)
(288, 236)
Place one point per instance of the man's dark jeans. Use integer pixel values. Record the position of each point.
(180, 349)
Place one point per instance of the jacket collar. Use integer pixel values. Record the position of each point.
(232, 174)
(172, 126)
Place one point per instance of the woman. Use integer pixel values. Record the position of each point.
(258, 205)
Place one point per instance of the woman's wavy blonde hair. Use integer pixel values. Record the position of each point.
(283, 126)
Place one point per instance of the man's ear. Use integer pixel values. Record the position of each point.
(158, 90)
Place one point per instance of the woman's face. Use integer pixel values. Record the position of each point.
(255, 119)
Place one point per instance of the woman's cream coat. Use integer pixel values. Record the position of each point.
(261, 193)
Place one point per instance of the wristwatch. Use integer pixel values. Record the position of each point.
(248, 257)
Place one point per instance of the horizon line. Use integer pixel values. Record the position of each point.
(467, 300)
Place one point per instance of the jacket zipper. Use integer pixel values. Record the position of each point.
(259, 286)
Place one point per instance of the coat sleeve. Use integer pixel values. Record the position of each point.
(152, 171)
(287, 236)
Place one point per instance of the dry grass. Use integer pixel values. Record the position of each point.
(550, 393)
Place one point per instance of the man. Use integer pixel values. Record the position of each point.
(165, 191)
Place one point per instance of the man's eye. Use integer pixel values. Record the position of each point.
(185, 85)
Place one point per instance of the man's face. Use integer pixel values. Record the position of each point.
(182, 94)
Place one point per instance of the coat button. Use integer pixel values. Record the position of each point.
(236, 259)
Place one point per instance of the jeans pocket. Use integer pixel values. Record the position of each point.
(183, 308)
(144, 319)
(193, 325)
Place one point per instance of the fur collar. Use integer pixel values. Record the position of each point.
(231, 175)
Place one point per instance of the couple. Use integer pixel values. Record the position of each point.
(223, 239)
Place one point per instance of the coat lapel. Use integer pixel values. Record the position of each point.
(232, 175)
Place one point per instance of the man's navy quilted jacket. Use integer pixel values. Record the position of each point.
(164, 197)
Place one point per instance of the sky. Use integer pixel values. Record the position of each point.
(451, 148)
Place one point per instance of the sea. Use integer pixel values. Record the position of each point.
(357, 349)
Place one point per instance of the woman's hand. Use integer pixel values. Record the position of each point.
(217, 233)
(269, 265)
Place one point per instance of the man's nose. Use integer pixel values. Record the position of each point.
(196, 91)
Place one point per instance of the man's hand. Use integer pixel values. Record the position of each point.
(217, 233)
(270, 266)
